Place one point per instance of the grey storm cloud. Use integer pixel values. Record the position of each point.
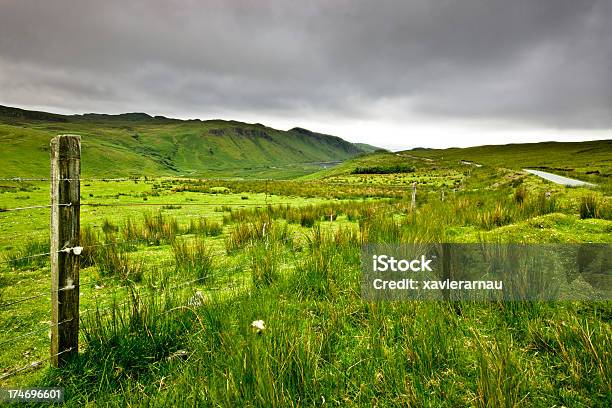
(542, 62)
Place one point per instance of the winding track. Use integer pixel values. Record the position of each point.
(559, 179)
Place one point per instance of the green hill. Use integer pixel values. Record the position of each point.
(134, 144)
(590, 160)
(369, 148)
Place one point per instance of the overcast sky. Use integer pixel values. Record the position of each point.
(396, 74)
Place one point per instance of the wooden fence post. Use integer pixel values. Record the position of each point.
(413, 201)
(65, 231)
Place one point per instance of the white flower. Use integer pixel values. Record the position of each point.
(196, 300)
(258, 325)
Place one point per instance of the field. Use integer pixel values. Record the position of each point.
(176, 269)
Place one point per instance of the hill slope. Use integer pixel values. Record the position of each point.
(138, 144)
(589, 161)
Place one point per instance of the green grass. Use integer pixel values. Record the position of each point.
(178, 331)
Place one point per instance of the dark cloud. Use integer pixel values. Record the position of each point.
(543, 63)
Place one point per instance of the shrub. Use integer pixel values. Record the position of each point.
(400, 168)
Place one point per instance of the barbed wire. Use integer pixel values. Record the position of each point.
(15, 302)
(33, 207)
(167, 289)
(135, 204)
(39, 330)
(15, 260)
(204, 180)
(114, 243)
(33, 365)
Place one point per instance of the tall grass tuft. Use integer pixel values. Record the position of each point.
(159, 229)
(590, 206)
(91, 244)
(323, 271)
(541, 204)
(194, 258)
(262, 230)
(109, 228)
(113, 260)
(132, 232)
(204, 226)
(26, 256)
(500, 215)
(265, 263)
(501, 380)
(520, 194)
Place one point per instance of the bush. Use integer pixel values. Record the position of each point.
(400, 168)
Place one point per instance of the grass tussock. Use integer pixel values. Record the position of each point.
(265, 260)
(90, 242)
(193, 258)
(204, 226)
(28, 256)
(263, 230)
(159, 229)
(114, 260)
(590, 206)
(520, 195)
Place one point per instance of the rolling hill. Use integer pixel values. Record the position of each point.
(134, 144)
(589, 160)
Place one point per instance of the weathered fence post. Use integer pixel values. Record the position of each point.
(65, 231)
(413, 201)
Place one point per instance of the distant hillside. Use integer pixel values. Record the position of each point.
(369, 148)
(591, 160)
(140, 144)
(580, 158)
